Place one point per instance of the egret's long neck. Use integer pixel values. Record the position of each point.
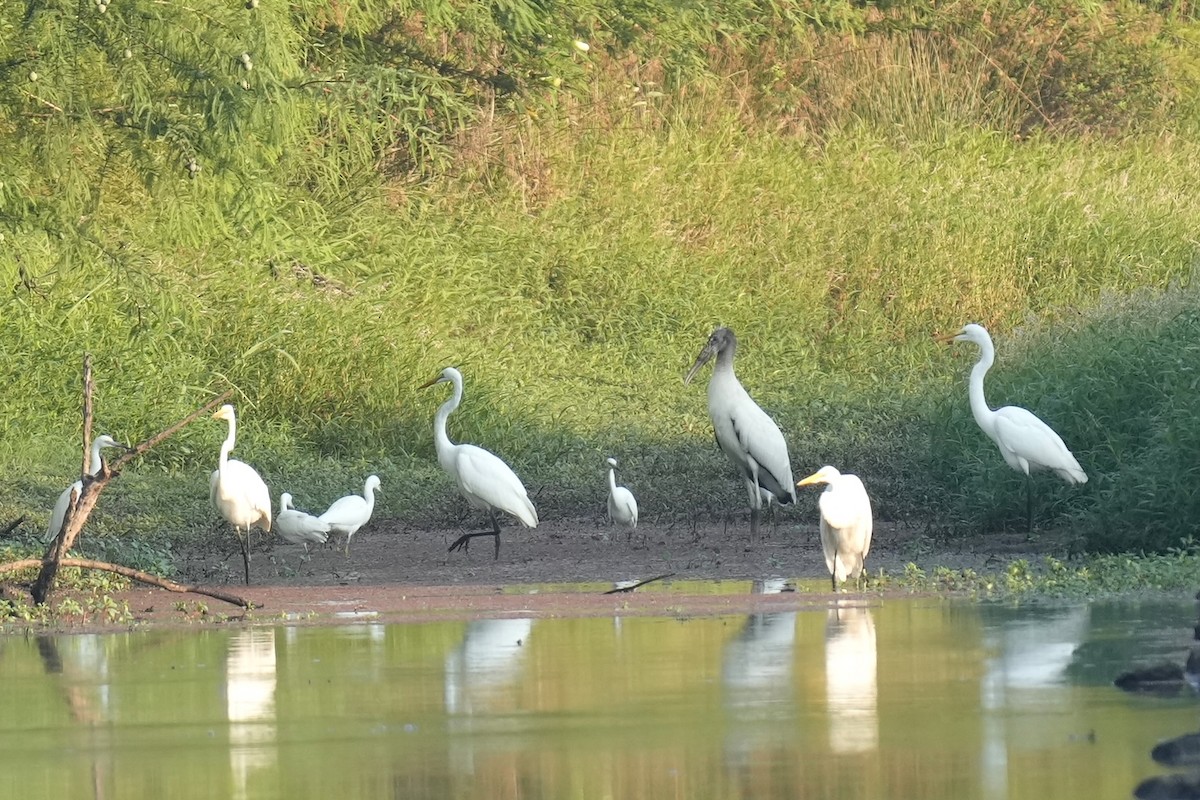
(94, 462)
(228, 445)
(369, 496)
(612, 480)
(441, 440)
(979, 406)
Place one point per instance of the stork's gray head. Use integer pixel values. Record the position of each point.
(720, 341)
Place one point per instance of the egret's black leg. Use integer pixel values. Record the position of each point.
(464, 542)
(245, 543)
(754, 513)
(1029, 505)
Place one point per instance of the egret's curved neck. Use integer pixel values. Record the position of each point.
(229, 440)
(979, 406)
(612, 479)
(94, 463)
(441, 440)
(369, 495)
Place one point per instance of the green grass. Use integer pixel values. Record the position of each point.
(574, 322)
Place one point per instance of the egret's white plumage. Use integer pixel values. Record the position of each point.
(744, 431)
(239, 492)
(622, 506)
(1026, 443)
(845, 522)
(71, 494)
(298, 527)
(349, 513)
(483, 479)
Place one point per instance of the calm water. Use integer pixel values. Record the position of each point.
(923, 699)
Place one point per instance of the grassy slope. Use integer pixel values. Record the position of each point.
(574, 306)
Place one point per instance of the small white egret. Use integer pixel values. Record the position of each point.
(622, 506)
(1026, 443)
(239, 492)
(744, 431)
(845, 522)
(349, 513)
(483, 479)
(70, 495)
(298, 527)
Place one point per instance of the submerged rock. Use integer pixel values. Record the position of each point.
(1182, 751)
(1169, 787)
(1159, 679)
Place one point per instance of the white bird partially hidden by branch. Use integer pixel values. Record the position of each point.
(1026, 443)
(744, 431)
(846, 522)
(299, 527)
(349, 513)
(239, 493)
(622, 506)
(70, 495)
(483, 479)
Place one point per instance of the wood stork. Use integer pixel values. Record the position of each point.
(744, 431)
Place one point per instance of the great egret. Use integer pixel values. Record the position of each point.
(845, 522)
(622, 506)
(298, 527)
(349, 513)
(483, 479)
(70, 495)
(744, 431)
(239, 492)
(1026, 443)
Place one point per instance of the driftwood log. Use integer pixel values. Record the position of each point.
(77, 514)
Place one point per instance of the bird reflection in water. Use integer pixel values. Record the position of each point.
(250, 703)
(756, 674)
(851, 692)
(81, 661)
(482, 685)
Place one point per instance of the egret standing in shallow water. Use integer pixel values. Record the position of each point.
(298, 527)
(1026, 443)
(349, 513)
(845, 522)
(744, 431)
(70, 495)
(239, 492)
(622, 507)
(483, 479)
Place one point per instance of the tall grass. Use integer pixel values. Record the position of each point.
(835, 198)
(574, 324)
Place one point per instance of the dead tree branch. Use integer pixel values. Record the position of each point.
(135, 574)
(78, 513)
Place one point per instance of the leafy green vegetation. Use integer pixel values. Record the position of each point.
(563, 200)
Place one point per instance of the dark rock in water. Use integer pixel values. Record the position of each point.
(1169, 787)
(1191, 670)
(1182, 751)
(1159, 679)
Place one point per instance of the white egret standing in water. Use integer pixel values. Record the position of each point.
(70, 495)
(1026, 443)
(744, 431)
(622, 506)
(483, 479)
(845, 522)
(239, 492)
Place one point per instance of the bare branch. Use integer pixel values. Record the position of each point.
(135, 574)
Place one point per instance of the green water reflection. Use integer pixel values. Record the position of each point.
(903, 699)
